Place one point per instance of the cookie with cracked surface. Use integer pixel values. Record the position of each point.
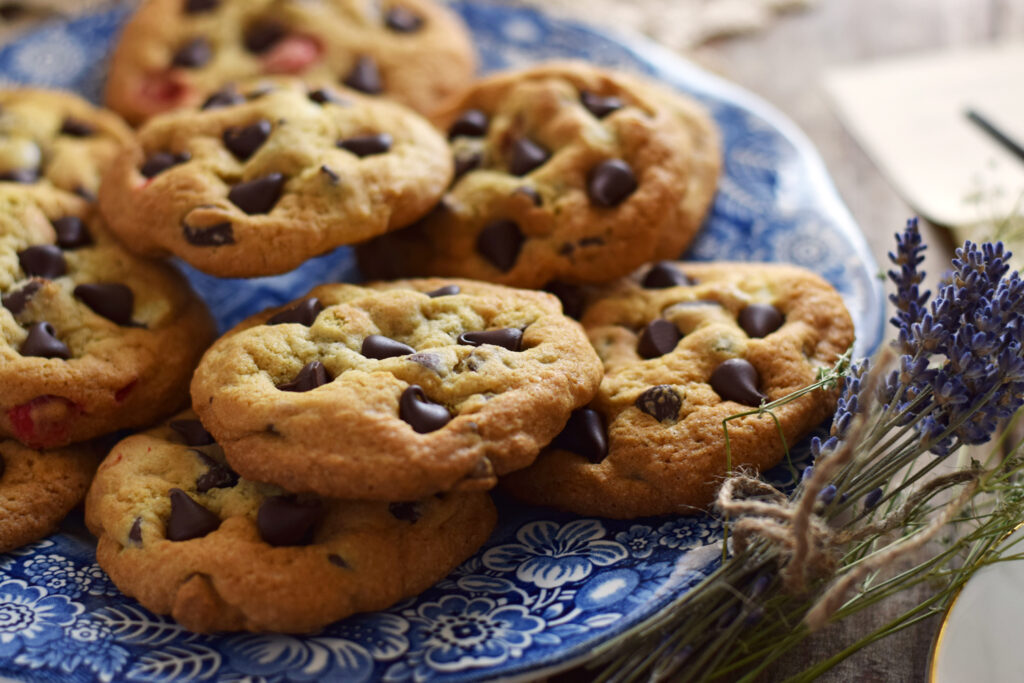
(564, 172)
(395, 391)
(56, 140)
(39, 488)
(183, 534)
(92, 339)
(685, 346)
(258, 186)
(175, 53)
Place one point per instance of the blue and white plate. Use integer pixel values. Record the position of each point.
(548, 587)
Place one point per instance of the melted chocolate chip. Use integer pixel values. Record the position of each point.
(43, 260)
(658, 338)
(610, 182)
(197, 6)
(332, 176)
(472, 123)
(431, 361)
(71, 232)
(303, 313)
(736, 380)
(193, 54)
(447, 290)
(364, 76)
(584, 434)
(188, 518)
(212, 236)
(259, 195)
(403, 20)
(367, 145)
(260, 36)
(225, 97)
(660, 402)
(380, 347)
(422, 414)
(243, 141)
(311, 376)
(135, 533)
(530, 194)
(760, 320)
(407, 512)
(573, 299)
(526, 156)
(600, 105)
(42, 342)
(499, 242)
(510, 338)
(288, 520)
(338, 561)
(217, 476)
(192, 432)
(464, 163)
(76, 128)
(20, 175)
(112, 300)
(15, 301)
(324, 96)
(161, 161)
(664, 274)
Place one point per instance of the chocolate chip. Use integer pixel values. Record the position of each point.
(531, 194)
(573, 298)
(217, 476)
(658, 338)
(600, 105)
(20, 175)
(243, 141)
(610, 182)
(510, 338)
(71, 232)
(161, 161)
(760, 320)
(259, 195)
(15, 301)
(472, 123)
(76, 128)
(736, 380)
(364, 76)
(212, 236)
(664, 274)
(196, 6)
(447, 290)
(193, 54)
(584, 434)
(260, 36)
(288, 520)
(403, 20)
(311, 376)
(407, 512)
(43, 260)
(192, 432)
(324, 96)
(85, 194)
(188, 518)
(431, 361)
(42, 342)
(420, 412)
(367, 145)
(526, 155)
(338, 561)
(135, 533)
(499, 242)
(466, 162)
(332, 175)
(660, 402)
(303, 313)
(10, 11)
(380, 347)
(112, 300)
(227, 96)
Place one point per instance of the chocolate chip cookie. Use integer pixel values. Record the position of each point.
(564, 172)
(92, 339)
(185, 535)
(257, 186)
(56, 140)
(175, 53)
(397, 390)
(39, 488)
(685, 346)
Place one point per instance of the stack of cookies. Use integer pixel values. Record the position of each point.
(525, 323)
